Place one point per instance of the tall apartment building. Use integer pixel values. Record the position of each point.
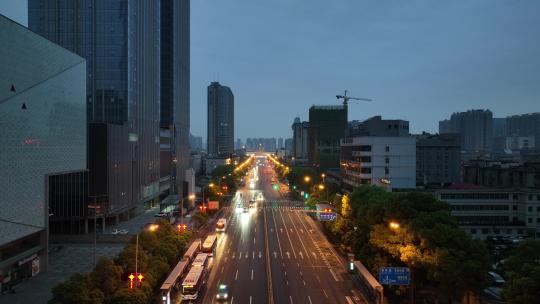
(300, 138)
(525, 125)
(389, 162)
(327, 126)
(175, 105)
(42, 147)
(120, 40)
(475, 128)
(438, 159)
(220, 120)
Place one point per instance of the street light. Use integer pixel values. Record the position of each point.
(307, 179)
(191, 197)
(321, 187)
(393, 225)
(152, 228)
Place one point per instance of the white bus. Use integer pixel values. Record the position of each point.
(210, 244)
(192, 251)
(192, 283)
(221, 224)
(201, 260)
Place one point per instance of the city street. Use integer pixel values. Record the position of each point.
(276, 247)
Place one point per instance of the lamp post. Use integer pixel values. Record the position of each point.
(210, 185)
(191, 197)
(152, 228)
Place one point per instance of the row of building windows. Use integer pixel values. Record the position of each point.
(445, 196)
(530, 208)
(530, 220)
(479, 207)
(495, 231)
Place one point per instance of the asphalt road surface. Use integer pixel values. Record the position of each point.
(275, 251)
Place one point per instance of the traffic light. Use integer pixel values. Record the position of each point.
(202, 209)
(306, 195)
(294, 187)
(276, 187)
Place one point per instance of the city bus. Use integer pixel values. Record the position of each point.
(192, 251)
(201, 260)
(210, 244)
(221, 224)
(192, 283)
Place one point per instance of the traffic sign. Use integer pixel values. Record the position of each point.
(327, 216)
(394, 275)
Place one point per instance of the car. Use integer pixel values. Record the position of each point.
(161, 214)
(119, 231)
(223, 293)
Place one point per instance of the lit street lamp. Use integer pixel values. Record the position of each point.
(393, 225)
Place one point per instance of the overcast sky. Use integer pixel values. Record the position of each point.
(418, 60)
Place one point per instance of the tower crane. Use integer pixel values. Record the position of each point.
(347, 98)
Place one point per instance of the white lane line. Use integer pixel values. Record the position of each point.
(222, 268)
(304, 282)
(236, 276)
(249, 299)
(253, 255)
(349, 300)
(309, 298)
(252, 274)
(232, 300)
(277, 236)
(290, 298)
(287, 231)
(324, 291)
(334, 275)
(318, 279)
(253, 240)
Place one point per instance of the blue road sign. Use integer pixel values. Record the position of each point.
(327, 216)
(394, 275)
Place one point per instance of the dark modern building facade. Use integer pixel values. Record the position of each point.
(300, 138)
(327, 126)
(120, 40)
(175, 104)
(220, 120)
(42, 140)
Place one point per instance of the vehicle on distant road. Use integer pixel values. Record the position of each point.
(162, 214)
(120, 231)
(221, 225)
(223, 293)
(210, 244)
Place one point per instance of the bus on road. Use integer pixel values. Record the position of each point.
(210, 244)
(221, 224)
(192, 251)
(201, 260)
(192, 283)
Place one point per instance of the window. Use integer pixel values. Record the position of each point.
(496, 231)
(364, 148)
(365, 159)
(514, 207)
(530, 197)
(538, 197)
(387, 149)
(530, 209)
(473, 231)
(538, 209)
(387, 160)
(386, 170)
(515, 196)
(365, 170)
(508, 231)
(529, 220)
(520, 231)
(538, 220)
(485, 230)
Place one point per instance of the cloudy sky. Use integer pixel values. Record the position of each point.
(418, 60)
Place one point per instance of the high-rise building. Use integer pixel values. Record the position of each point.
(475, 128)
(42, 147)
(175, 105)
(280, 143)
(389, 162)
(289, 145)
(300, 139)
(327, 126)
(438, 159)
(220, 120)
(524, 125)
(195, 142)
(120, 40)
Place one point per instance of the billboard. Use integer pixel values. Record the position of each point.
(213, 205)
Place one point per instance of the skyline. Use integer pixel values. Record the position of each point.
(452, 57)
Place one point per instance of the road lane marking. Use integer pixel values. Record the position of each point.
(301, 255)
(304, 282)
(253, 240)
(334, 275)
(232, 300)
(260, 255)
(236, 276)
(288, 255)
(253, 256)
(252, 274)
(275, 255)
(290, 298)
(247, 254)
(309, 298)
(318, 279)
(324, 291)
(222, 268)
(277, 236)
(249, 299)
(349, 300)
(290, 241)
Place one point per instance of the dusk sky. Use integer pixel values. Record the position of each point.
(418, 60)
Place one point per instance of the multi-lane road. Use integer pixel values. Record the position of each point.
(275, 253)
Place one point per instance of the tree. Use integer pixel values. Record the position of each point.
(76, 290)
(129, 296)
(522, 269)
(106, 276)
(126, 259)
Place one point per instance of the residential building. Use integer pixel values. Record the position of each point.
(503, 173)
(220, 120)
(437, 159)
(261, 144)
(289, 144)
(327, 126)
(175, 81)
(300, 138)
(196, 143)
(123, 92)
(389, 162)
(524, 125)
(499, 127)
(42, 146)
(482, 212)
(475, 128)
(213, 162)
(376, 126)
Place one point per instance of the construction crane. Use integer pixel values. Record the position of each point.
(347, 98)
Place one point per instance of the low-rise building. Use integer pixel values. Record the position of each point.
(385, 161)
(438, 159)
(503, 173)
(482, 212)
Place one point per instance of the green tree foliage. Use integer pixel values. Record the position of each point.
(126, 258)
(442, 257)
(129, 296)
(522, 269)
(106, 276)
(77, 289)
